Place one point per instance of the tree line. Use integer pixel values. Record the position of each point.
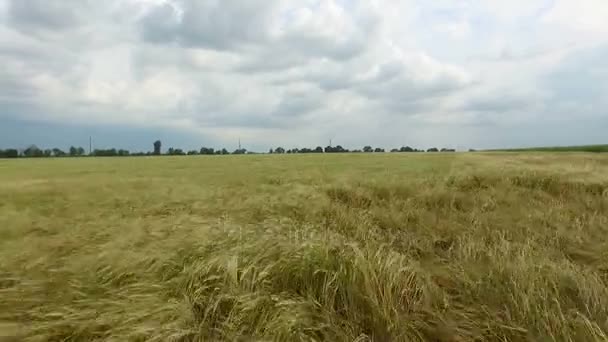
(34, 152)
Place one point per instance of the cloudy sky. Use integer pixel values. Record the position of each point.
(454, 73)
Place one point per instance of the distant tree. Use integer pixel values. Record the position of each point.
(33, 152)
(123, 153)
(433, 149)
(279, 150)
(58, 152)
(218, 151)
(395, 150)
(207, 150)
(379, 150)
(9, 153)
(175, 152)
(472, 150)
(80, 151)
(73, 151)
(319, 149)
(105, 153)
(225, 151)
(157, 147)
(356, 151)
(48, 153)
(192, 153)
(240, 151)
(271, 151)
(337, 149)
(368, 149)
(447, 150)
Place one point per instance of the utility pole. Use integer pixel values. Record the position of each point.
(330, 143)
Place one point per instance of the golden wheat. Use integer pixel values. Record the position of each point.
(382, 247)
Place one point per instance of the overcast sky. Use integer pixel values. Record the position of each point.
(468, 73)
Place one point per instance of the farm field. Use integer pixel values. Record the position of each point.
(583, 148)
(353, 247)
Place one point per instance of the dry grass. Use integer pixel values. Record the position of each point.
(445, 247)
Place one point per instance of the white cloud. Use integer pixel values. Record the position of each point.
(298, 72)
(589, 16)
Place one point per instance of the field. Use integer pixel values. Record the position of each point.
(582, 148)
(354, 247)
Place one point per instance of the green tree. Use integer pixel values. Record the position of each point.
(33, 152)
(368, 149)
(207, 150)
(157, 147)
(58, 152)
(11, 153)
(105, 153)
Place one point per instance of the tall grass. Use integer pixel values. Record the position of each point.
(291, 248)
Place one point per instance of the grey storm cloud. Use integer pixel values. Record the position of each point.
(30, 15)
(210, 24)
(582, 76)
(298, 71)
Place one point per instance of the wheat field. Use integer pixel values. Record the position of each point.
(353, 247)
